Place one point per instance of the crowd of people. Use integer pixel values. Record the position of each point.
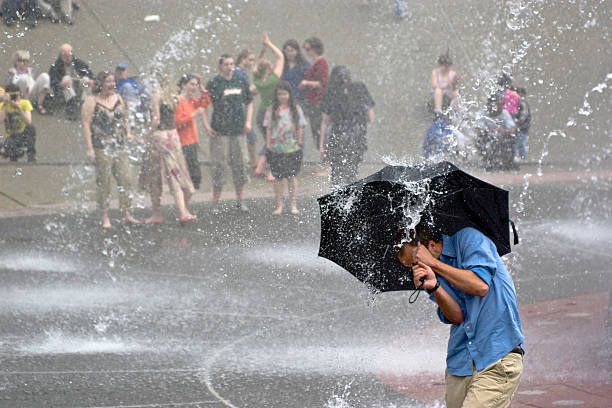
(501, 130)
(123, 117)
(29, 12)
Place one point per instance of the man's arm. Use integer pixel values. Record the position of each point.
(463, 279)
(447, 304)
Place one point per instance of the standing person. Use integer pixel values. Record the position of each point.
(163, 162)
(467, 279)
(71, 81)
(136, 99)
(184, 117)
(314, 85)
(348, 107)
(231, 120)
(444, 83)
(23, 76)
(496, 136)
(16, 113)
(523, 122)
(284, 123)
(295, 68)
(265, 78)
(244, 64)
(512, 100)
(106, 128)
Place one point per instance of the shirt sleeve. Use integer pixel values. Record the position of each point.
(321, 72)
(478, 253)
(26, 105)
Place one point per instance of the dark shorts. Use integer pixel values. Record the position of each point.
(284, 165)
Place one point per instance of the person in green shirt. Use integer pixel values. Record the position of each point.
(265, 79)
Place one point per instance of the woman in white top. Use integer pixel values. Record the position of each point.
(23, 76)
(444, 83)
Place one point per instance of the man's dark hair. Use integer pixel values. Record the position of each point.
(421, 233)
(223, 58)
(11, 88)
(315, 44)
(244, 54)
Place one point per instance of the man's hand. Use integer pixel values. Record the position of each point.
(247, 128)
(423, 255)
(419, 271)
(91, 155)
(211, 132)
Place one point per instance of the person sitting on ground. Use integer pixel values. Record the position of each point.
(496, 136)
(16, 113)
(444, 83)
(466, 278)
(439, 141)
(71, 81)
(51, 8)
(14, 11)
(36, 90)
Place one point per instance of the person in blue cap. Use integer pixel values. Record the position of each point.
(466, 278)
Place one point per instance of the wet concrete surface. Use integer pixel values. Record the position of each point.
(237, 310)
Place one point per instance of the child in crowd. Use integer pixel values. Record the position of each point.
(284, 123)
(16, 113)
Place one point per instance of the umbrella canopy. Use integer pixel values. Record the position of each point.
(360, 221)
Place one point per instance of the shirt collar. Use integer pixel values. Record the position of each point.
(448, 246)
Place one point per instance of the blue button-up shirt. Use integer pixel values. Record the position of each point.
(492, 326)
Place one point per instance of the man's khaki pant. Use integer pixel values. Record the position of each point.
(490, 387)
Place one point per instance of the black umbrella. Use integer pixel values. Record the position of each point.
(359, 222)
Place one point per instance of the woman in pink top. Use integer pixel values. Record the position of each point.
(444, 83)
(512, 100)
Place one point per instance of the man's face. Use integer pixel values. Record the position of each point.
(66, 55)
(227, 67)
(407, 254)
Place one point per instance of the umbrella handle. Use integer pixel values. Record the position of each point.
(413, 298)
(516, 238)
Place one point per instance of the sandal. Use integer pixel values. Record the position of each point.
(187, 218)
(41, 110)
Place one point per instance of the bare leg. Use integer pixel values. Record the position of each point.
(292, 187)
(239, 192)
(438, 99)
(252, 155)
(261, 165)
(216, 194)
(278, 193)
(156, 217)
(129, 219)
(105, 220)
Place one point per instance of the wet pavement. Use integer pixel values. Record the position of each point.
(237, 310)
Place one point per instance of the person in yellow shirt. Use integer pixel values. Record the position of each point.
(16, 113)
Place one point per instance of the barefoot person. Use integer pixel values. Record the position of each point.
(284, 123)
(164, 164)
(106, 128)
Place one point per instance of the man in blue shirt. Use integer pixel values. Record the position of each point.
(465, 276)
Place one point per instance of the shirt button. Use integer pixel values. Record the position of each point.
(469, 342)
(467, 327)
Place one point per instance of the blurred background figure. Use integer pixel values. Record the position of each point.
(58, 10)
(244, 65)
(136, 98)
(266, 76)
(106, 130)
(444, 82)
(26, 11)
(401, 9)
(523, 122)
(164, 163)
(71, 82)
(496, 136)
(22, 75)
(16, 113)
(347, 107)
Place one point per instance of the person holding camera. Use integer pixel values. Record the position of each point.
(16, 113)
(466, 278)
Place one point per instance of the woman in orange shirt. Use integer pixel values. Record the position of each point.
(184, 119)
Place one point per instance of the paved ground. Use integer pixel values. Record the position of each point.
(237, 310)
